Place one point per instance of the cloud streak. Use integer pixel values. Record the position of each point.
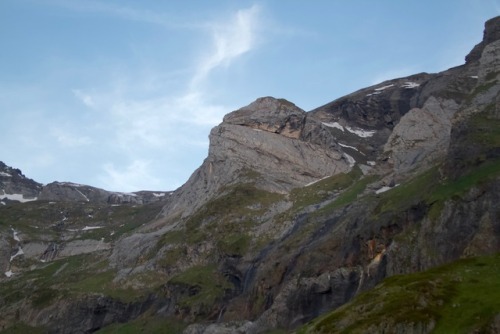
(132, 177)
(67, 139)
(229, 42)
(122, 12)
(144, 129)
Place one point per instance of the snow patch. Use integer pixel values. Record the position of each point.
(410, 85)
(374, 93)
(383, 88)
(18, 197)
(85, 197)
(9, 273)
(350, 160)
(334, 125)
(15, 236)
(474, 77)
(384, 189)
(126, 194)
(3, 203)
(371, 163)
(360, 132)
(347, 146)
(19, 252)
(158, 194)
(5, 174)
(87, 228)
(313, 182)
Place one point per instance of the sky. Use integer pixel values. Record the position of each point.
(122, 94)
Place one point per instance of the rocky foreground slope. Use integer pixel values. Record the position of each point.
(292, 215)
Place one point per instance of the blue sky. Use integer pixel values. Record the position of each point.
(122, 95)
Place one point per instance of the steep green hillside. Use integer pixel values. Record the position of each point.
(461, 297)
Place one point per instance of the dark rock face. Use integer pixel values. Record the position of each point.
(67, 191)
(15, 186)
(378, 106)
(89, 314)
(491, 34)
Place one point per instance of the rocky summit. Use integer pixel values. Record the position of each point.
(375, 213)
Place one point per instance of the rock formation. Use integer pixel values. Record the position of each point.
(270, 142)
(14, 186)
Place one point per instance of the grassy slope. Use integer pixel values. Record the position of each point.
(457, 298)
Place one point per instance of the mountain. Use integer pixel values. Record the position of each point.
(376, 212)
(14, 186)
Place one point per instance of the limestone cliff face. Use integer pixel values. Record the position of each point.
(271, 143)
(422, 136)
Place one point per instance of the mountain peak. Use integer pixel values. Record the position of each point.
(271, 115)
(491, 34)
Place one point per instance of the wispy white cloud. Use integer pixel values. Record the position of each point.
(230, 40)
(86, 99)
(121, 11)
(68, 139)
(144, 127)
(133, 176)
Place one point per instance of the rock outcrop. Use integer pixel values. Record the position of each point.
(14, 186)
(490, 35)
(422, 136)
(74, 192)
(271, 143)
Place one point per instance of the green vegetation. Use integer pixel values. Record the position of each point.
(484, 87)
(461, 297)
(234, 245)
(491, 76)
(409, 193)
(21, 328)
(171, 256)
(51, 219)
(484, 130)
(319, 191)
(43, 297)
(72, 276)
(206, 286)
(430, 189)
(237, 201)
(226, 219)
(349, 195)
(145, 325)
(456, 188)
